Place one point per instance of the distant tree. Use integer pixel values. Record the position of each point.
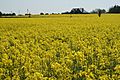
(13, 14)
(41, 13)
(114, 9)
(66, 12)
(26, 14)
(103, 11)
(46, 13)
(53, 13)
(29, 15)
(0, 14)
(98, 10)
(82, 10)
(7, 14)
(3, 14)
(93, 11)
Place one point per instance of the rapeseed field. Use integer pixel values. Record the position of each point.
(61, 47)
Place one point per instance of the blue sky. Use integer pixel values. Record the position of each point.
(37, 6)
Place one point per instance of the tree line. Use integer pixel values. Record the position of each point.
(7, 14)
(114, 9)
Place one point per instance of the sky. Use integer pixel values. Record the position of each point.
(53, 6)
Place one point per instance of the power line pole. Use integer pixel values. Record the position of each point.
(27, 11)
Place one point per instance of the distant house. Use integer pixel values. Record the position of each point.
(77, 11)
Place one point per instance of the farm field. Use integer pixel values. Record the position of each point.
(60, 47)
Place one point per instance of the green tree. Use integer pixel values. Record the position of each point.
(97, 10)
(114, 9)
(0, 14)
